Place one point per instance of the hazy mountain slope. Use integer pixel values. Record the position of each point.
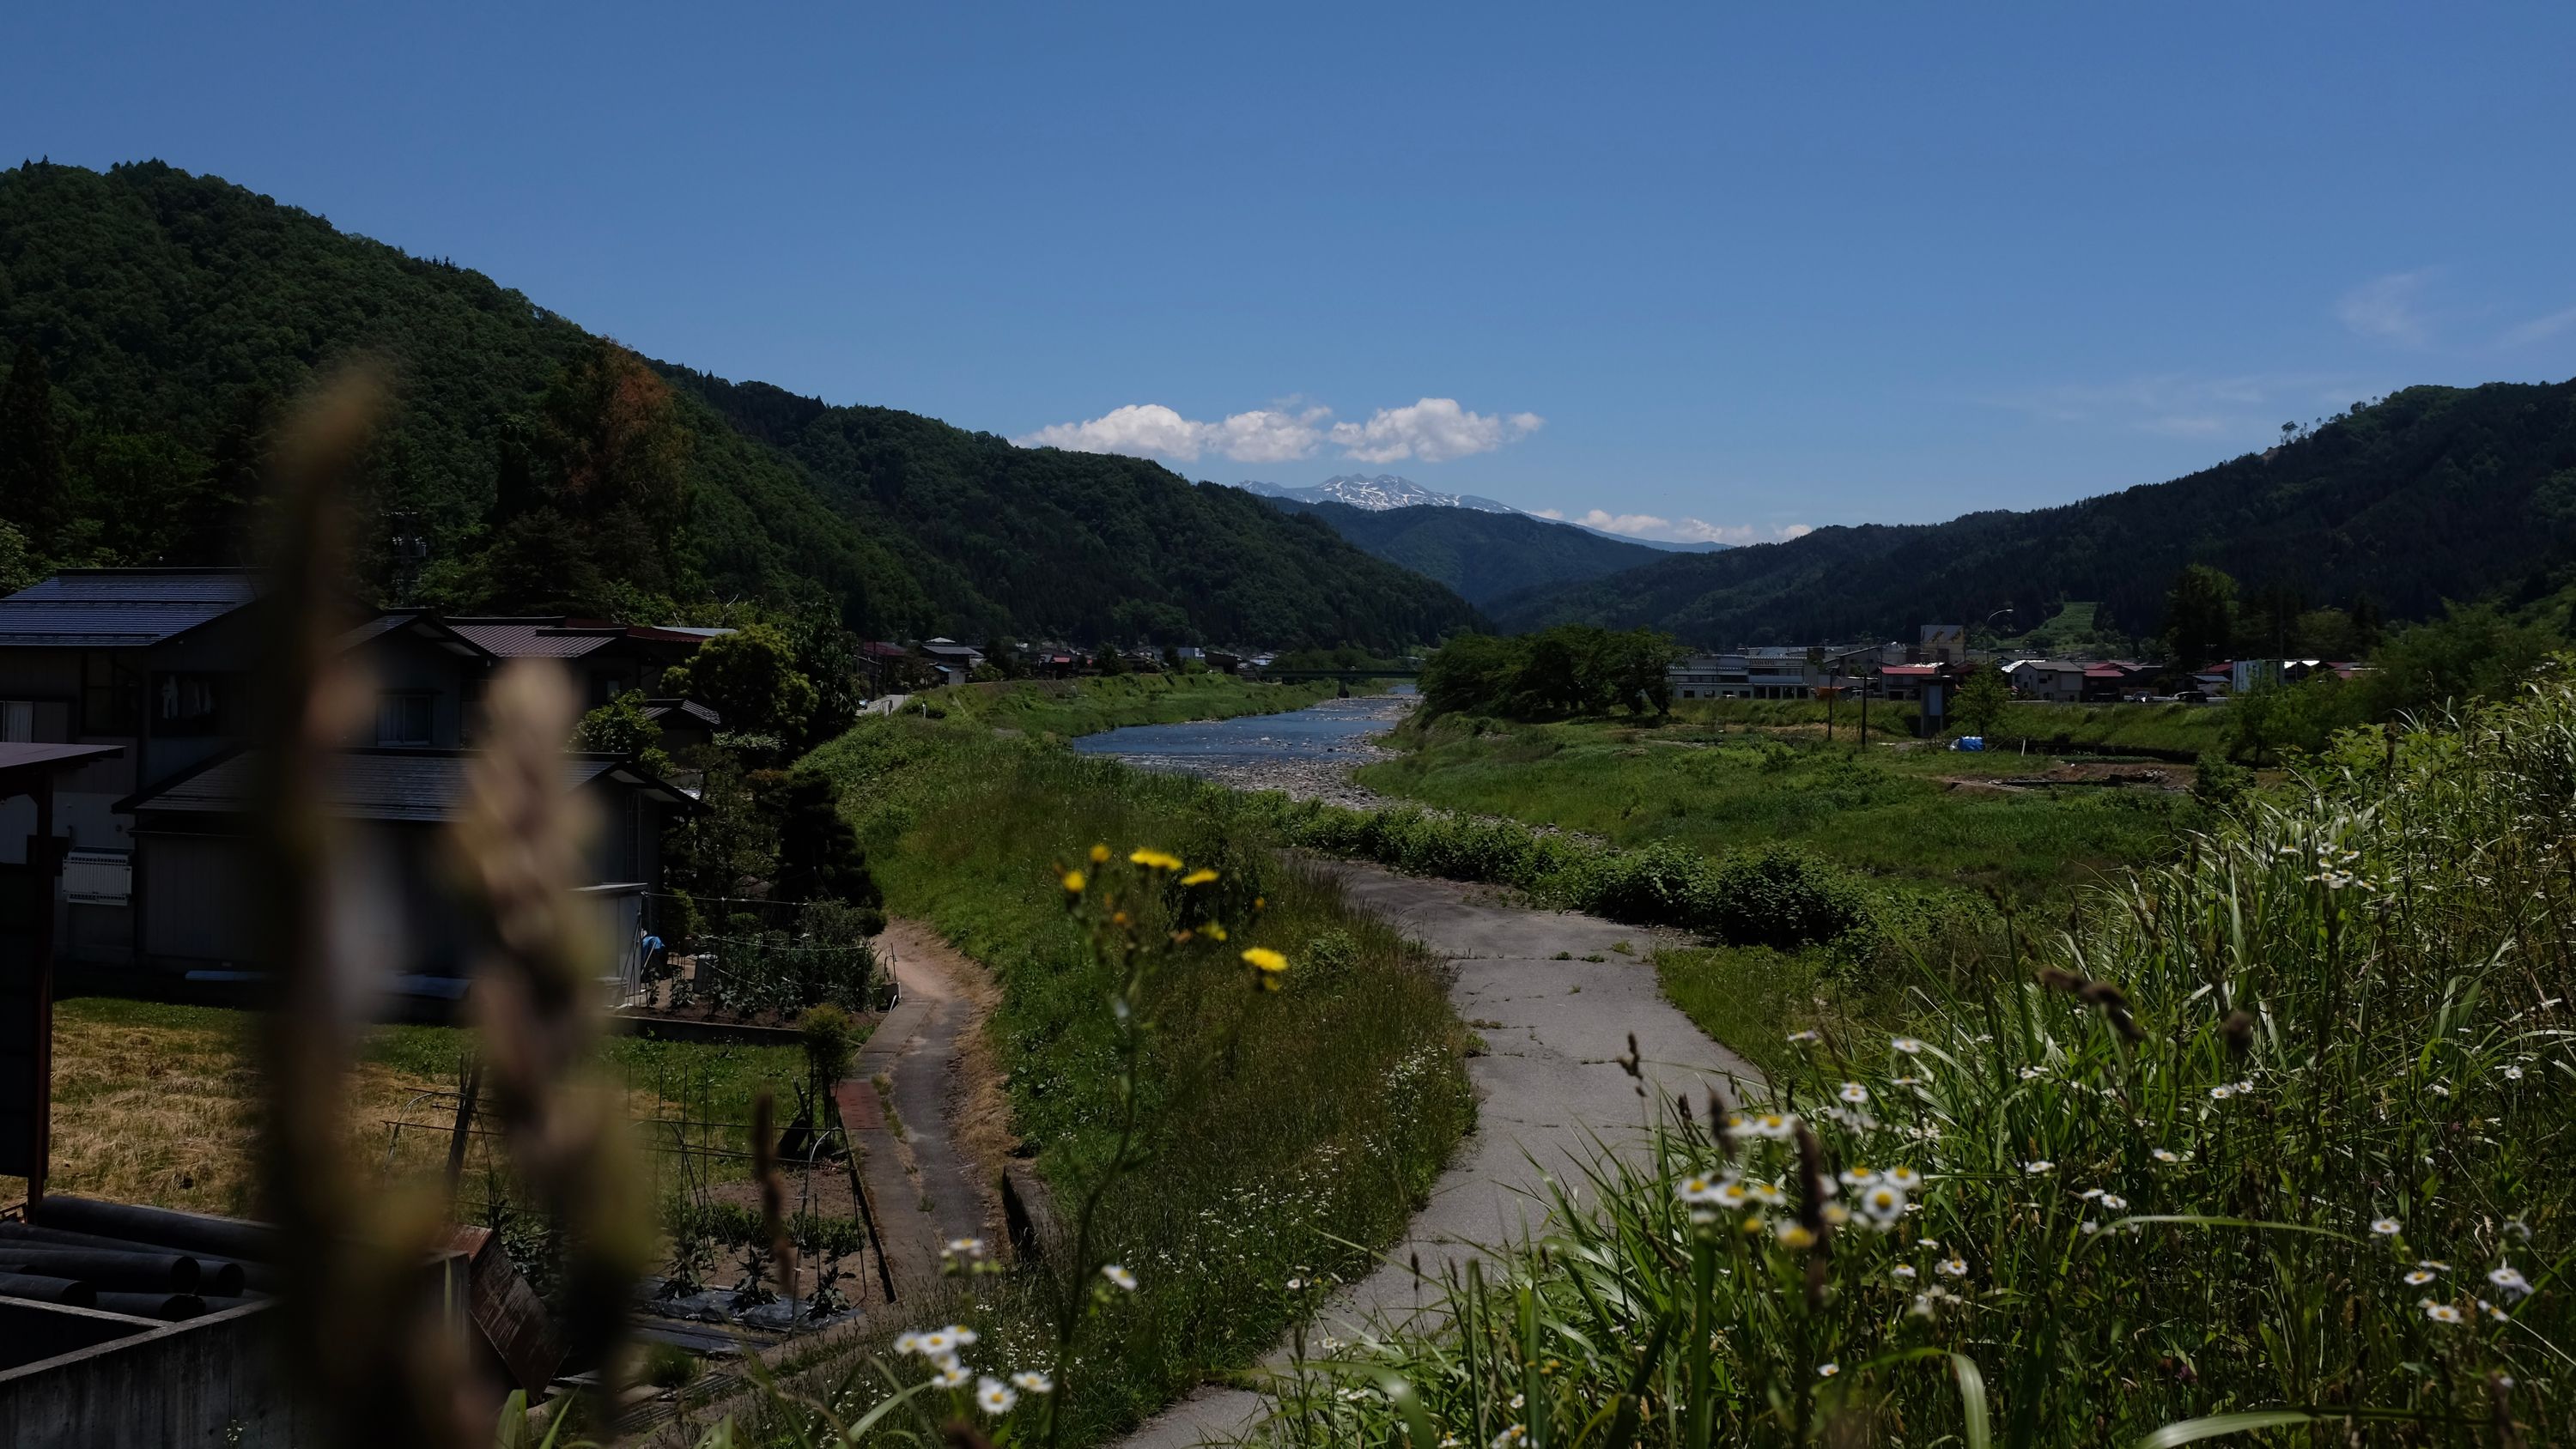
(174, 314)
(2434, 493)
(1484, 556)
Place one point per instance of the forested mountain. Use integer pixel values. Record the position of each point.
(155, 325)
(2431, 494)
(1484, 556)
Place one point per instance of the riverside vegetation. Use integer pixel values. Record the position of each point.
(2271, 1136)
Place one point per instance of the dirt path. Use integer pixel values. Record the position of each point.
(901, 1103)
(1550, 1089)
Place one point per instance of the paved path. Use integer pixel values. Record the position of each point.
(923, 1190)
(1550, 1088)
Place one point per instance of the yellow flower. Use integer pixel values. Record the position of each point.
(1100, 855)
(1267, 959)
(1155, 859)
(1214, 930)
(1200, 876)
(1073, 881)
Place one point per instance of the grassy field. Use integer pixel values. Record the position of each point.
(1895, 811)
(1085, 706)
(2188, 728)
(156, 1103)
(1289, 1132)
(2275, 1129)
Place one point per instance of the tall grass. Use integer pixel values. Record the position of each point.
(1285, 1133)
(2275, 1135)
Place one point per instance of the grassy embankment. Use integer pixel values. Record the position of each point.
(1909, 834)
(1085, 706)
(156, 1103)
(1289, 1132)
(2278, 1126)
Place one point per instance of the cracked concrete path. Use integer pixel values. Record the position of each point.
(922, 1187)
(1550, 1093)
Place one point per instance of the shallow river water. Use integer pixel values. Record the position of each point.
(1306, 752)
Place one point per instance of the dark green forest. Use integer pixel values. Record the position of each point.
(156, 326)
(1484, 556)
(2430, 495)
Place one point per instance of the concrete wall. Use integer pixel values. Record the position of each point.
(187, 1385)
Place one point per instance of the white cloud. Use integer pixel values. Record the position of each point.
(2540, 328)
(1677, 530)
(1433, 430)
(1151, 430)
(2388, 307)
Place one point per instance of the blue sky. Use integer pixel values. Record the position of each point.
(1736, 269)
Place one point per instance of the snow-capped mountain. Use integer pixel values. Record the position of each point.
(1378, 494)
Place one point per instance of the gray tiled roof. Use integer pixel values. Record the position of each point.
(413, 785)
(120, 608)
(533, 638)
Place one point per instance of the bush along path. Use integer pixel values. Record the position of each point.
(924, 1190)
(1558, 999)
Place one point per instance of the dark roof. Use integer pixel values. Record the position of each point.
(23, 765)
(654, 709)
(535, 638)
(875, 650)
(425, 786)
(120, 608)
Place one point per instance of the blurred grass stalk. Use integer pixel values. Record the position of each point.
(373, 1321)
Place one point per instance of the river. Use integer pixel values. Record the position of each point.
(1308, 752)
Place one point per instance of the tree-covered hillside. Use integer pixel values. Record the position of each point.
(2431, 494)
(1484, 556)
(155, 325)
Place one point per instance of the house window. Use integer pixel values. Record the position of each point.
(405, 719)
(111, 694)
(191, 704)
(17, 721)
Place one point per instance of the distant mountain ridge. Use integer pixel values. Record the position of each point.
(2431, 494)
(1377, 494)
(1481, 555)
(166, 319)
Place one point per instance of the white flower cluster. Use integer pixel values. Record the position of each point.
(944, 1348)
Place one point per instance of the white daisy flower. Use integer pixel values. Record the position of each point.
(1802, 1036)
(1510, 1437)
(2221, 1092)
(2418, 1278)
(934, 1343)
(1951, 1267)
(2386, 1227)
(1033, 1382)
(1828, 1370)
(1696, 1189)
(2440, 1312)
(953, 1377)
(2510, 1280)
(2433, 1265)
(1854, 1093)
(2038, 1165)
(1120, 1277)
(1909, 1045)
(994, 1396)
(962, 1337)
(1857, 1176)
(2513, 1074)
(2112, 1202)
(907, 1343)
(2166, 1155)
(1883, 1203)
(2438, 1090)
(1904, 1179)
(1904, 1271)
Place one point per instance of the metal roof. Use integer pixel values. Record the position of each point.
(654, 709)
(534, 638)
(120, 608)
(21, 765)
(426, 786)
